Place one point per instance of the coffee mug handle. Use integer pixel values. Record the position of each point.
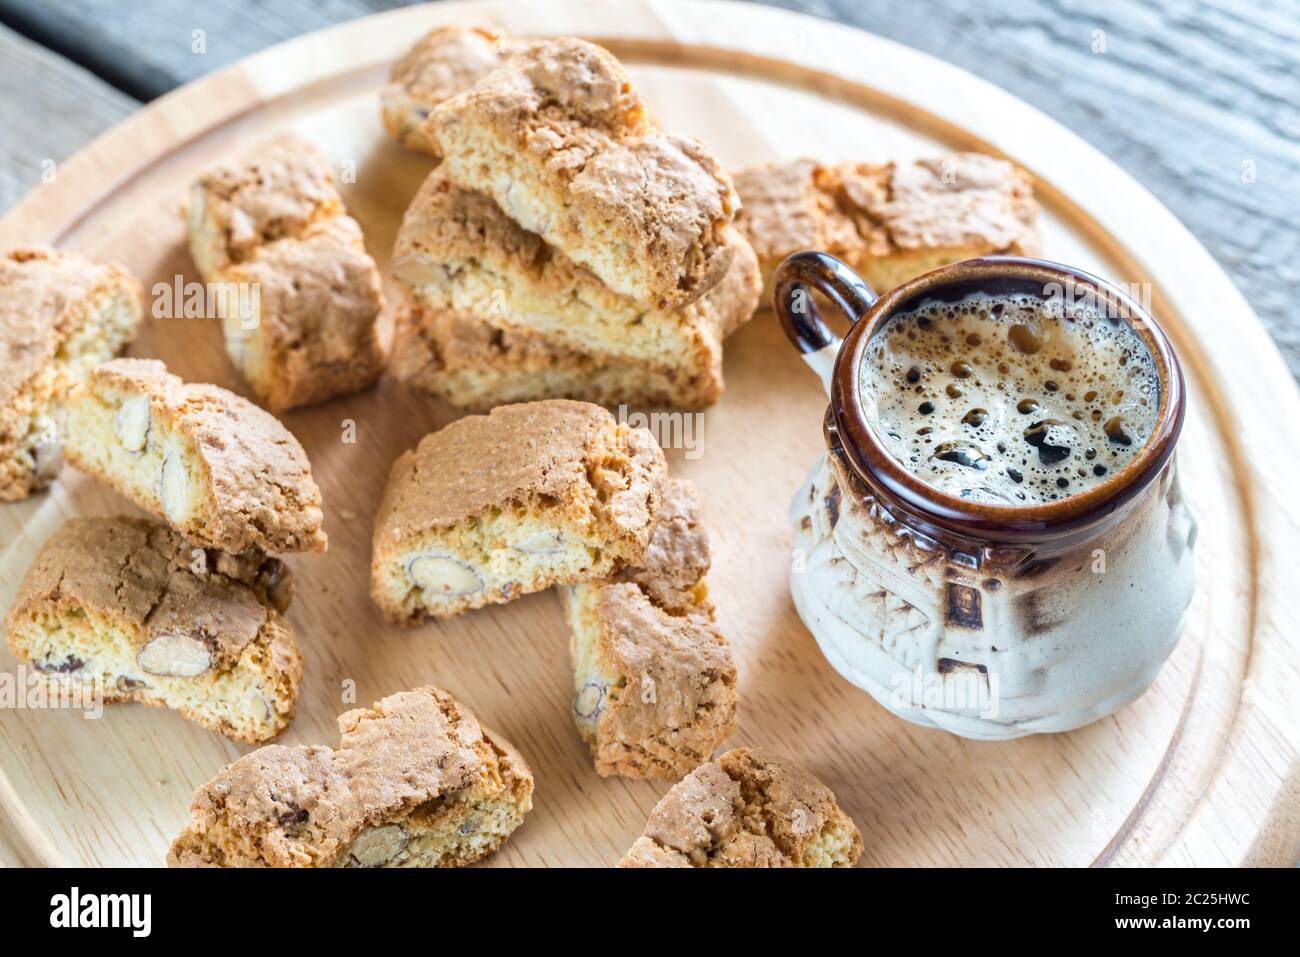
(799, 315)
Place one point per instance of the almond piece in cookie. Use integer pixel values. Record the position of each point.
(221, 471)
(127, 608)
(300, 297)
(560, 139)
(749, 808)
(890, 221)
(60, 314)
(496, 506)
(457, 251)
(414, 782)
(654, 679)
(444, 62)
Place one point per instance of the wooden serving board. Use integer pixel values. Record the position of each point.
(1202, 769)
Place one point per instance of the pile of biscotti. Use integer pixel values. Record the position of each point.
(564, 254)
(183, 609)
(299, 296)
(565, 245)
(576, 500)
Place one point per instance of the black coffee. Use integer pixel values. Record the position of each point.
(1010, 400)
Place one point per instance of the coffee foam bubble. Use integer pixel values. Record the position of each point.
(1010, 400)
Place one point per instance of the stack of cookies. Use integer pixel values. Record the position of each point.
(184, 610)
(565, 246)
(300, 297)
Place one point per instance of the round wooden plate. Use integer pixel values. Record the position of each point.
(1201, 770)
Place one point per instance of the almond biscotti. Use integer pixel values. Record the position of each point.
(416, 781)
(60, 314)
(749, 808)
(442, 63)
(496, 506)
(458, 252)
(476, 366)
(560, 139)
(300, 297)
(890, 221)
(654, 679)
(235, 210)
(130, 610)
(221, 471)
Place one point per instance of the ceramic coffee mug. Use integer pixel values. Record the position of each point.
(988, 620)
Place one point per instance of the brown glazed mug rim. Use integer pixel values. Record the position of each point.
(975, 520)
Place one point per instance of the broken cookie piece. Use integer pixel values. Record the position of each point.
(60, 314)
(299, 296)
(221, 471)
(496, 506)
(130, 609)
(888, 221)
(655, 693)
(749, 808)
(654, 679)
(560, 139)
(414, 782)
(444, 62)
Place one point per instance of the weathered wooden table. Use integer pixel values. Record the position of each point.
(1200, 101)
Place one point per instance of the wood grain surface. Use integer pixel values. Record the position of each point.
(1201, 770)
(1198, 99)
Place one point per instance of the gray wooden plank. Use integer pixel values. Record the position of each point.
(147, 48)
(49, 108)
(1198, 99)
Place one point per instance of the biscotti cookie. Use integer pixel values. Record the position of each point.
(496, 506)
(59, 315)
(234, 210)
(222, 472)
(560, 139)
(749, 808)
(310, 332)
(476, 366)
(300, 297)
(444, 62)
(654, 680)
(892, 221)
(414, 782)
(458, 251)
(131, 610)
